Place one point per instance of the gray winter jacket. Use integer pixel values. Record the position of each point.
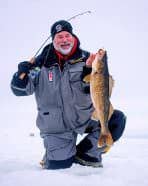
(62, 104)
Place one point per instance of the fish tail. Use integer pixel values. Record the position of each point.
(105, 139)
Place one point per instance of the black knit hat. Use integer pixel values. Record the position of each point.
(60, 26)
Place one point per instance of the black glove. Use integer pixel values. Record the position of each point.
(24, 67)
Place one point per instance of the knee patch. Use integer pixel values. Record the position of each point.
(117, 124)
(60, 164)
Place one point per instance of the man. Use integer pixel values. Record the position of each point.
(63, 100)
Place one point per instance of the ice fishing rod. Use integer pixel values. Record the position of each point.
(73, 17)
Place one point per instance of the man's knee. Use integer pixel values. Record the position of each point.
(59, 151)
(117, 124)
(59, 164)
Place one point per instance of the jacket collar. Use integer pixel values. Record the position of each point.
(51, 58)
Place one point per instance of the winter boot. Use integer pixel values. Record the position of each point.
(86, 160)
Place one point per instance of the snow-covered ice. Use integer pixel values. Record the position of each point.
(20, 153)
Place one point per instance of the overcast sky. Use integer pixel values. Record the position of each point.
(119, 26)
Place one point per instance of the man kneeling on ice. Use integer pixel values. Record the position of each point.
(63, 100)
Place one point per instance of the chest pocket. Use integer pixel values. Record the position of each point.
(75, 72)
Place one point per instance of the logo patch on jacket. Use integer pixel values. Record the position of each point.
(50, 76)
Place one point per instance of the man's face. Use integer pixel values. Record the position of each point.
(63, 42)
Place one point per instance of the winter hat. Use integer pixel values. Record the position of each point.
(60, 26)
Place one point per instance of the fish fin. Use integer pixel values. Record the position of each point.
(87, 78)
(111, 110)
(111, 85)
(106, 149)
(94, 116)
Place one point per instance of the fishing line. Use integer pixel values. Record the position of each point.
(46, 56)
(73, 17)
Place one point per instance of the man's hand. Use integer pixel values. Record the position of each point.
(92, 57)
(32, 60)
(25, 67)
(90, 60)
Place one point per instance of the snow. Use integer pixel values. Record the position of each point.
(126, 164)
(20, 153)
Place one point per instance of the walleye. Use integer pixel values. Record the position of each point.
(100, 93)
